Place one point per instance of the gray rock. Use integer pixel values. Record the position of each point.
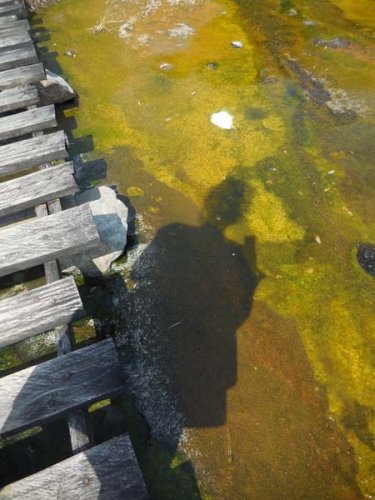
(54, 89)
(111, 217)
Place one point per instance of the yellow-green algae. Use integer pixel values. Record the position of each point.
(300, 420)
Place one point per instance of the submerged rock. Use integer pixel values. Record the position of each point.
(70, 53)
(166, 66)
(309, 22)
(212, 65)
(333, 43)
(366, 257)
(54, 89)
(111, 217)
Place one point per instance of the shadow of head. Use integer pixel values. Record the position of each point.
(224, 204)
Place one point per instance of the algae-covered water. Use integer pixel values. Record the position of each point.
(250, 325)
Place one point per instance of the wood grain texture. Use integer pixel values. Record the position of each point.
(39, 310)
(5, 20)
(6, 2)
(36, 241)
(39, 187)
(27, 121)
(109, 471)
(18, 57)
(78, 422)
(18, 24)
(32, 152)
(21, 76)
(14, 37)
(51, 389)
(14, 8)
(18, 98)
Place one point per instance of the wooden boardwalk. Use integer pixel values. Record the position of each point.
(36, 174)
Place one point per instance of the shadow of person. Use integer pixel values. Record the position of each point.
(192, 290)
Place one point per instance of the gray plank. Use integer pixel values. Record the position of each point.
(21, 76)
(107, 471)
(18, 57)
(39, 310)
(14, 8)
(35, 241)
(39, 187)
(18, 98)
(43, 392)
(27, 121)
(5, 20)
(81, 437)
(6, 2)
(11, 21)
(32, 152)
(14, 37)
(11, 25)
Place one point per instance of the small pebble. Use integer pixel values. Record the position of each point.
(292, 12)
(212, 65)
(70, 53)
(166, 66)
(237, 44)
(309, 22)
(317, 239)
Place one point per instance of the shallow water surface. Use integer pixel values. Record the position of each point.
(250, 324)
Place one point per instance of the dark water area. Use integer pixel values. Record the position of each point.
(244, 308)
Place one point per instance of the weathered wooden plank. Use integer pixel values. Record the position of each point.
(13, 8)
(18, 98)
(107, 471)
(39, 310)
(32, 152)
(38, 394)
(18, 57)
(39, 187)
(14, 37)
(26, 122)
(11, 21)
(35, 241)
(6, 2)
(16, 24)
(78, 422)
(21, 76)
(5, 20)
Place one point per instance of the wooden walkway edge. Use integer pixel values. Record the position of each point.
(34, 175)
